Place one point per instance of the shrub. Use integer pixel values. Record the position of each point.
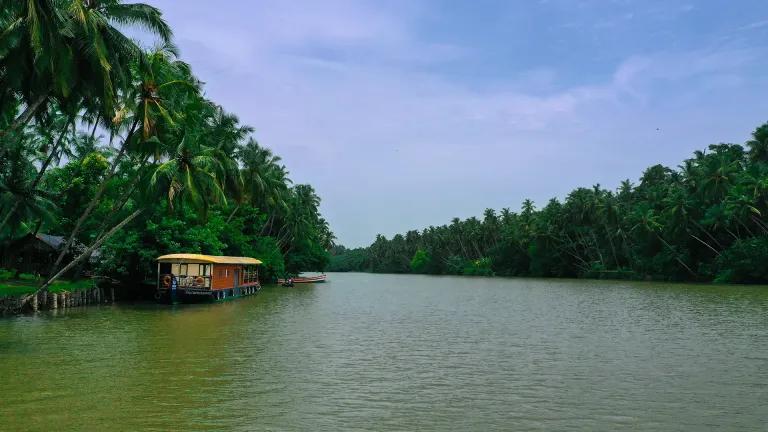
(27, 276)
(746, 261)
(478, 267)
(6, 274)
(421, 260)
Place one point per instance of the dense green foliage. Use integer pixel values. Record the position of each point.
(704, 221)
(114, 147)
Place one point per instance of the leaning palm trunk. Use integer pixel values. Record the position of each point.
(94, 200)
(115, 209)
(10, 213)
(704, 243)
(25, 116)
(677, 258)
(82, 256)
(231, 215)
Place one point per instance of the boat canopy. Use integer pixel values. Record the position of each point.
(207, 259)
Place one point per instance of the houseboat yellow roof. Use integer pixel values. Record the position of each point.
(210, 259)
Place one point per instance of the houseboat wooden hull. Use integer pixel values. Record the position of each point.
(193, 278)
(191, 295)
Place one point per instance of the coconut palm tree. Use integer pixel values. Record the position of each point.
(758, 145)
(72, 48)
(158, 77)
(191, 176)
(266, 180)
(19, 193)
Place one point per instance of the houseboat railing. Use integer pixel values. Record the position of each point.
(185, 281)
(250, 276)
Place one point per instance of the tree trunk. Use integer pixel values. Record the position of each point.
(25, 116)
(704, 243)
(115, 209)
(10, 213)
(677, 258)
(705, 231)
(759, 223)
(94, 200)
(231, 215)
(613, 247)
(597, 248)
(271, 223)
(87, 252)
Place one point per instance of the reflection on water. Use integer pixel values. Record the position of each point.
(383, 352)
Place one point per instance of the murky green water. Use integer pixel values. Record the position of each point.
(380, 352)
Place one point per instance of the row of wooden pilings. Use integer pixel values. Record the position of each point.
(66, 299)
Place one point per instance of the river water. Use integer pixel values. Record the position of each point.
(386, 352)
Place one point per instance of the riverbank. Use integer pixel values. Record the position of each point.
(18, 287)
(62, 294)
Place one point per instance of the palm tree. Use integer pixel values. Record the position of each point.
(758, 145)
(19, 192)
(49, 150)
(158, 74)
(191, 176)
(61, 49)
(36, 57)
(266, 181)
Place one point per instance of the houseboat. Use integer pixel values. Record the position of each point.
(195, 278)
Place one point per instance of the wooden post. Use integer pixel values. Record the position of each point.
(112, 291)
(54, 301)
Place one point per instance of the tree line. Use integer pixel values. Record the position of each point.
(113, 146)
(706, 220)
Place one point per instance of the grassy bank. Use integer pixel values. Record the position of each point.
(16, 287)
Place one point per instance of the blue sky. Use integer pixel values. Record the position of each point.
(404, 114)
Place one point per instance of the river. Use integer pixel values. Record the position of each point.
(391, 352)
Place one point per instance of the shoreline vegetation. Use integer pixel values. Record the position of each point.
(111, 155)
(28, 284)
(703, 221)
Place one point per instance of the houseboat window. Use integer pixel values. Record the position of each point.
(205, 270)
(183, 269)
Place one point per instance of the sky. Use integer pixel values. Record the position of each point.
(406, 114)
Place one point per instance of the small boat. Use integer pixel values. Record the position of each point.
(301, 280)
(192, 278)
